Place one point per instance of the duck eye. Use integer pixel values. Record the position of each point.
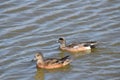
(38, 55)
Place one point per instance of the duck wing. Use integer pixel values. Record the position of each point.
(72, 45)
(65, 60)
(51, 61)
(92, 44)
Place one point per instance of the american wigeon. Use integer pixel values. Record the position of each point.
(84, 46)
(51, 63)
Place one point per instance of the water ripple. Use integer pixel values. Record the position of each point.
(30, 26)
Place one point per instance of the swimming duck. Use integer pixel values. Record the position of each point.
(84, 46)
(51, 63)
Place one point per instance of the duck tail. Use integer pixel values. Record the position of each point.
(66, 57)
(93, 44)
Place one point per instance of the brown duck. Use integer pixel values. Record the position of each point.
(51, 63)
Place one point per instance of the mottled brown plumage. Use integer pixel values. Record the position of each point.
(51, 63)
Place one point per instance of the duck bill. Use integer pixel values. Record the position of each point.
(57, 41)
(34, 59)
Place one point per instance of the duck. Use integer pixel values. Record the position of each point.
(74, 47)
(51, 63)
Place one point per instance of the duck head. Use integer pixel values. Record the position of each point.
(61, 40)
(39, 58)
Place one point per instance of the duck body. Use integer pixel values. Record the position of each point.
(51, 63)
(84, 46)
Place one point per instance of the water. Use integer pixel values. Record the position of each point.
(30, 26)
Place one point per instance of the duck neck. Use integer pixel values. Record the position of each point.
(41, 61)
(63, 45)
